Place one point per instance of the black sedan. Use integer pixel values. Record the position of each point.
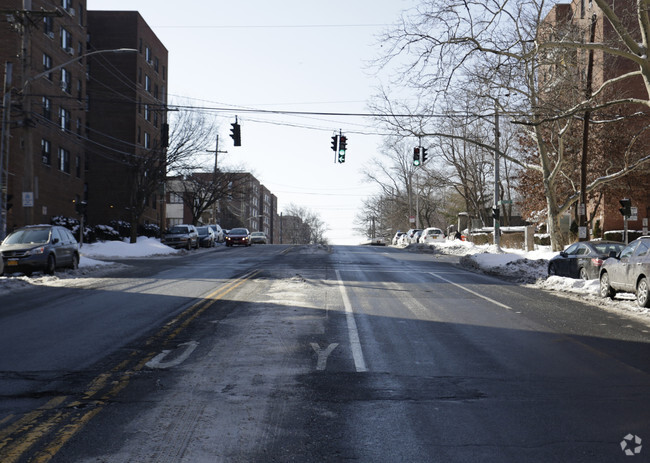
(583, 259)
(238, 236)
(628, 272)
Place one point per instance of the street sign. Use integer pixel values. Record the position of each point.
(412, 219)
(28, 199)
(634, 211)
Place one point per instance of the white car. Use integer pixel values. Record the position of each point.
(218, 233)
(431, 235)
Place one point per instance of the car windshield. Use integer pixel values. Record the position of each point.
(29, 236)
(238, 231)
(257, 234)
(177, 230)
(202, 230)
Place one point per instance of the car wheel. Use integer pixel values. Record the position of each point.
(189, 245)
(583, 273)
(75, 262)
(551, 269)
(643, 293)
(51, 265)
(605, 289)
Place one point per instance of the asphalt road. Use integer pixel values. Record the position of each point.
(309, 354)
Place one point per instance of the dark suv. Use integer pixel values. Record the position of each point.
(181, 236)
(39, 248)
(629, 271)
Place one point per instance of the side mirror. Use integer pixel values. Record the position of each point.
(613, 254)
(563, 254)
(55, 240)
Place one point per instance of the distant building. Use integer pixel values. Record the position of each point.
(127, 120)
(247, 203)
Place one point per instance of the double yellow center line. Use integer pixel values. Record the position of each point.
(53, 424)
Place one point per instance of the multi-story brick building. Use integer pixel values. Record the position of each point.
(577, 18)
(127, 121)
(248, 204)
(45, 110)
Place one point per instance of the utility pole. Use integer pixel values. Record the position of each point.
(497, 135)
(214, 175)
(4, 148)
(582, 207)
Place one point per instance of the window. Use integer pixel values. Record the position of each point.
(47, 64)
(46, 151)
(147, 83)
(64, 119)
(47, 108)
(66, 40)
(147, 140)
(64, 160)
(155, 64)
(146, 112)
(48, 26)
(77, 166)
(175, 198)
(147, 55)
(66, 80)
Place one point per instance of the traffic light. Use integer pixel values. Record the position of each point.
(10, 197)
(423, 152)
(496, 212)
(416, 156)
(626, 210)
(335, 143)
(343, 144)
(236, 133)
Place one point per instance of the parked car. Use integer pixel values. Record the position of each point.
(181, 236)
(431, 235)
(629, 271)
(584, 259)
(238, 236)
(39, 248)
(219, 234)
(407, 237)
(258, 237)
(397, 237)
(206, 236)
(416, 237)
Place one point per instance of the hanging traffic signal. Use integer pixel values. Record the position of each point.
(343, 144)
(416, 156)
(496, 212)
(626, 210)
(235, 133)
(423, 153)
(335, 143)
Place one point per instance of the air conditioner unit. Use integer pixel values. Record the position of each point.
(70, 50)
(71, 11)
(50, 34)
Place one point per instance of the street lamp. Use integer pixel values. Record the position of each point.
(5, 129)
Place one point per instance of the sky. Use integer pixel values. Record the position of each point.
(289, 56)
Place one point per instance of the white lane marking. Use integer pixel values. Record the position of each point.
(323, 354)
(157, 361)
(472, 292)
(353, 334)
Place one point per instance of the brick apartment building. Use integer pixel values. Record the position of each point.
(249, 204)
(127, 120)
(83, 122)
(45, 109)
(579, 14)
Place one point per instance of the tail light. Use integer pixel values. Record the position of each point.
(597, 261)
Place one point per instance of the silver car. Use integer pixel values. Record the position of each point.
(629, 272)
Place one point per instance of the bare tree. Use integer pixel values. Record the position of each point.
(307, 229)
(510, 46)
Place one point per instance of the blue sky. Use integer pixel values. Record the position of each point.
(291, 56)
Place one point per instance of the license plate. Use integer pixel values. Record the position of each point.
(12, 262)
